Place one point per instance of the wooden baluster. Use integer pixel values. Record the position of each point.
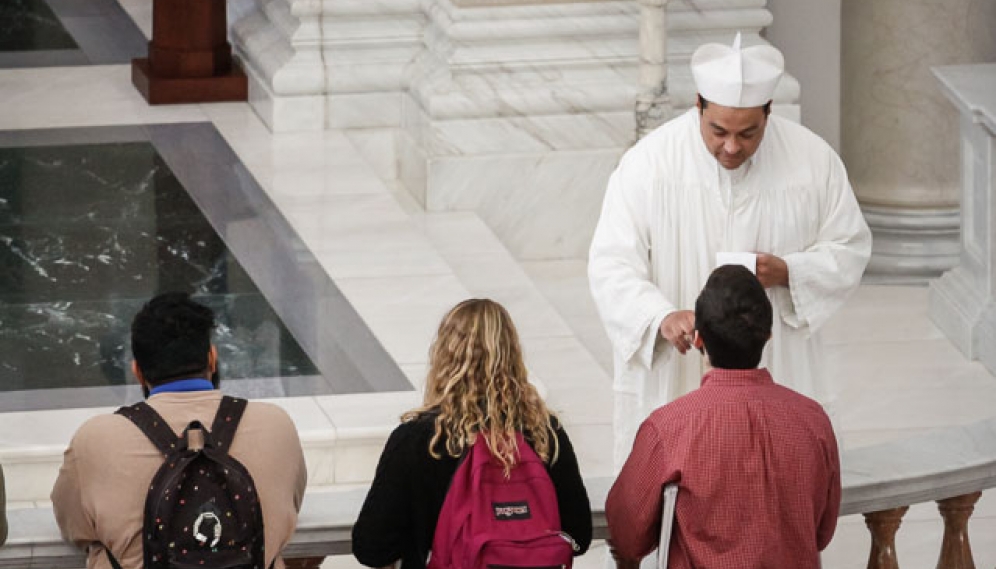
(956, 552)
(883, 526)
(304, 563)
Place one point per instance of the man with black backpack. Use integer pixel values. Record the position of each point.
(189, 478)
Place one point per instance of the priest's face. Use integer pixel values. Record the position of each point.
(731, 134)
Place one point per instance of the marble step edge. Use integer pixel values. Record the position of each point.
(468, 260)
(342, 437)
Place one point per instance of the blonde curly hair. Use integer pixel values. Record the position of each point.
(477, 382)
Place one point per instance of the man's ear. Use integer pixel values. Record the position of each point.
(212, 360)
(697, 342)
(138, 374)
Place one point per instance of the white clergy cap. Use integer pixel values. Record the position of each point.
(737, 77)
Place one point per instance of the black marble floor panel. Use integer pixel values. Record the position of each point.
(49, 33)
(93, 222)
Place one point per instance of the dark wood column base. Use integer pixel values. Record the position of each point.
(233, 86)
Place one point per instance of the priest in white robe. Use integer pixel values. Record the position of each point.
(724, 182)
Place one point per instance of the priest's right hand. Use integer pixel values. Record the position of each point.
(679, 328)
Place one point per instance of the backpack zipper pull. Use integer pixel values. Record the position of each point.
(567, 537)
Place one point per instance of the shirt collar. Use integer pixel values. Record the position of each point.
(717, 377)
(737, 175)
(192, 384)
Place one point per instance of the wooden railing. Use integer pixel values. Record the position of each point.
(951, 466)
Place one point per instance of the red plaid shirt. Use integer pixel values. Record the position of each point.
(758, 476)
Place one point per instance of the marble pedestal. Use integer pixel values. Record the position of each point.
(520, 113)
(963, 300)
(324, 64)
(190, 60)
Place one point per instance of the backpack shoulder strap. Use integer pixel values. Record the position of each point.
(114, 562)
(152, 424)
(226, 421)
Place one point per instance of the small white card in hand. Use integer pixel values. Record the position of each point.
(748, 260)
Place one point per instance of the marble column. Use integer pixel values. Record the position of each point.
(899, 136)
(653, 105)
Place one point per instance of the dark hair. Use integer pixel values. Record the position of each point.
(703, 103)
(733, 318)
(171, 338)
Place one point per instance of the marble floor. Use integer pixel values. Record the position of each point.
(334, 198)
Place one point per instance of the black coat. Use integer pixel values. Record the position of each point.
(398, 518)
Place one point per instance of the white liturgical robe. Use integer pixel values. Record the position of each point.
(670, 208)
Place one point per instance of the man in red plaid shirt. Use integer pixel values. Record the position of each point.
(756, 463)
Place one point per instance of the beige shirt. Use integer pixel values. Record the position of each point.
(99, 496)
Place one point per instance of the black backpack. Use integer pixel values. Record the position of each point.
(202, 510)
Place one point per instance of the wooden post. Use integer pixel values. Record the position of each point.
(190, 59)
(883, 526)
(304, 563)
(956, 552)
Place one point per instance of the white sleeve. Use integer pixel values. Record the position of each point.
(619, 271)
(822, 276)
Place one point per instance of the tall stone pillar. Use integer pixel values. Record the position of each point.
(899, 136)
(653, 105)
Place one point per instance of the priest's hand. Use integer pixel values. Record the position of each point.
(772, 271)
(678, 328)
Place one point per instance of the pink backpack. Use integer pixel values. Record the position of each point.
(490, 521)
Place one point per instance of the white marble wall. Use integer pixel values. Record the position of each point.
(516, 111)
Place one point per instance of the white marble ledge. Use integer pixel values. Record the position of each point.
(32, 457)
(378, 8)
(324, 528)
(453, 11)
(89, 95)
(972, 88)
(940, 464)
(932, 466)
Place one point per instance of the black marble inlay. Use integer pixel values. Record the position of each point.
(94, 221)
(31, 25)
(47, 33)
(88, 233)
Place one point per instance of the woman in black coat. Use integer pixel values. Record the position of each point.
(477, 383)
